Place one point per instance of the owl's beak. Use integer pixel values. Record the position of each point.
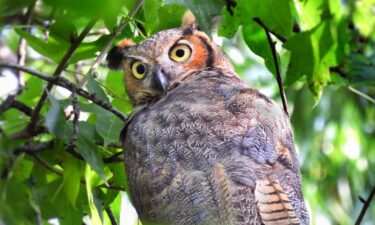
(160, 81)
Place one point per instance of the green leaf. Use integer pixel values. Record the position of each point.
(170, 16)
(72, 176)
(114, 82)
(58, 126)
(88, 50)
(55, 120)
(364, 18)
(276, 15)
(256, 38)
(94, 88)
(52, 49)
(88, 149)
(123, 105)
(204, 10)
(94, 213)
(22, 169)
(63, 29)
(229, 24)
(310, 13)
(66, 213)
(314, 59)
(108, 125)
(150, 11)
(34, 87)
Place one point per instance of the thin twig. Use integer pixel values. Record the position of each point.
(59, 172)
(114, 158)
(21, 51)
(27, 133)
(365, 207)
(74, 138)
(31, 149)
(358, 92)
(279, 36)
(110, 215)
(113, 36)
(113, 145)
(60, 81)
(34, 148)
(63, 63)
(113, 187)
(48, 166)
(277, 67)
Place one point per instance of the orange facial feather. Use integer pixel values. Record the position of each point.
(125, 43)
(200, 53)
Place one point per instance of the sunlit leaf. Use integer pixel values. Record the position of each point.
(256, 38)
(314, 59)
(72, 175)
(94, 214)
(51, 49)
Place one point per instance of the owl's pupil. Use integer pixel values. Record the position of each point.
(140, 69)
(180, 53)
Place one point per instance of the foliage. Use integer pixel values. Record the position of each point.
(60, 156)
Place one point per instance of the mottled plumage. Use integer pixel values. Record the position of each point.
(201, 146)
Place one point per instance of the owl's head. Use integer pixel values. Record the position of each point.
(159, 63)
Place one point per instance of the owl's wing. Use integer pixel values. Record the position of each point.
(268, 156)
(273, 203)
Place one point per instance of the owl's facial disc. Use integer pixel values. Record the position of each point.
(165, 60)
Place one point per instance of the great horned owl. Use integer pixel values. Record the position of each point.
(201, 147)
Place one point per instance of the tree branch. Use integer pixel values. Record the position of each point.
(27, 133)
(59, 172)
(63, 63)
(365, 207)
(279, 36)
(110, 215)
(276, 62)
(114, 158)
(21, 51)
(7, 103)
(11, 102)
(34, 148)
(22, 107)
(60, 81)
(31, 149)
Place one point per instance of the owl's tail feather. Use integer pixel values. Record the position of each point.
(273, 204)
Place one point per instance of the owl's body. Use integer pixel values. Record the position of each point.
(203, 148)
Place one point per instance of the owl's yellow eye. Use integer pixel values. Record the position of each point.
(139, 70)
(180, 53)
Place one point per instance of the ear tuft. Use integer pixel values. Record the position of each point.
(115, 56)
(125, 43)
(189, 21)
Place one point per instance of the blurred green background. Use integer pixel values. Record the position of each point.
(326, 51)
